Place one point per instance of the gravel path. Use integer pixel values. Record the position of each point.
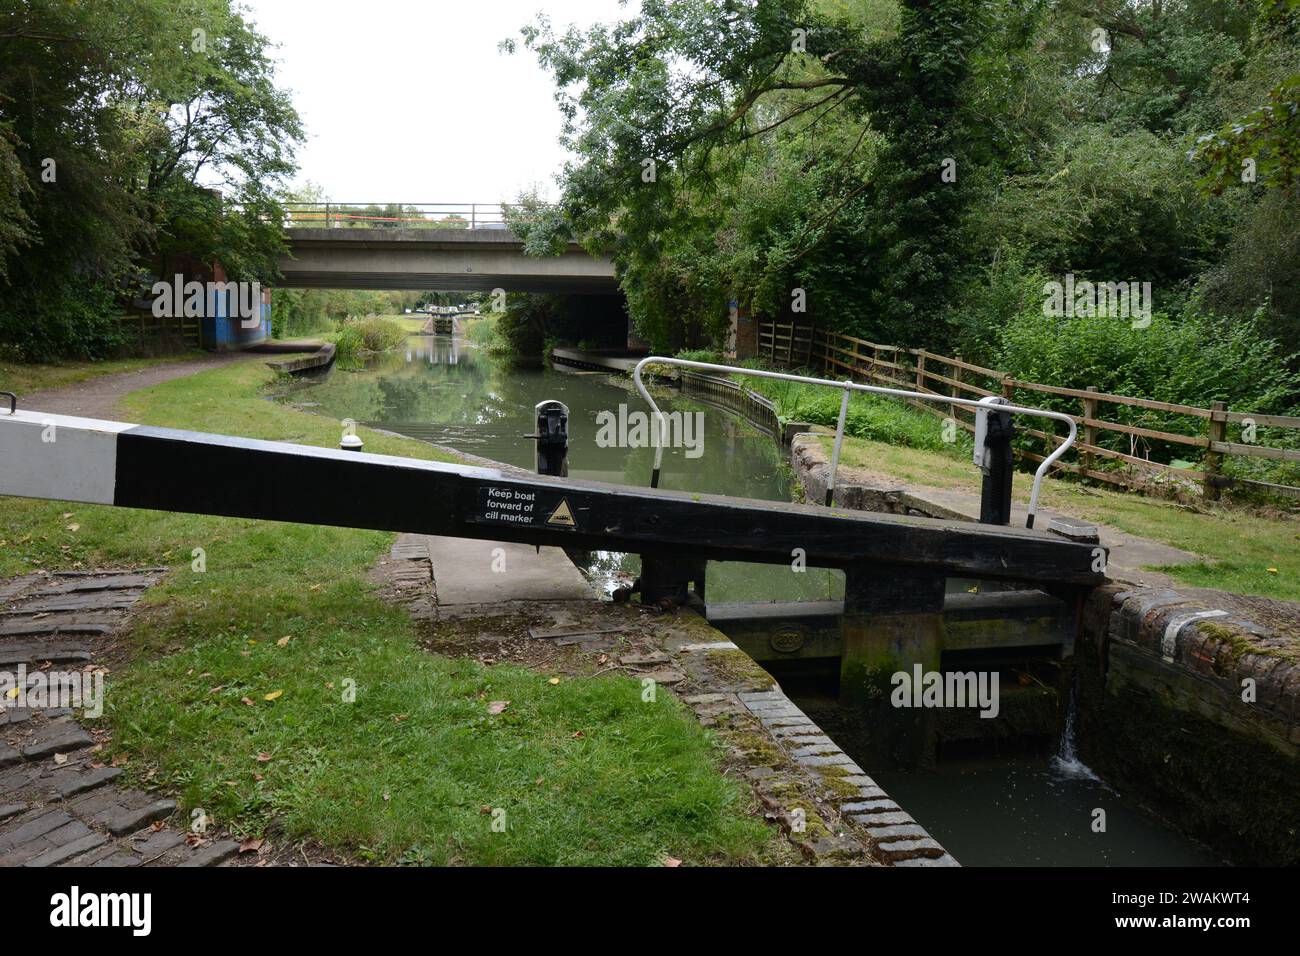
(98, 397)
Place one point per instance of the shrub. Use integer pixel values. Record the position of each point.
(1194, 360)
(873, 417)
(710, 356)
(66, 319)
(356, 337)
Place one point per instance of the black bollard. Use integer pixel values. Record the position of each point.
(993, 434)
(552, 439)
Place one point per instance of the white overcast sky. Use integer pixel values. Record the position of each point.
(410, 100)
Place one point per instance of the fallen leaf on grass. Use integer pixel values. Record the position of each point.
(263, 756)
(578, 735)
(284, 641)
(553, 681)
(497, 706)
(672, 861)
(250, 846)
(74, 527)
(245, 700)
(274, 695)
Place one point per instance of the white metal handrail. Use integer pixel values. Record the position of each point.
(981, 405)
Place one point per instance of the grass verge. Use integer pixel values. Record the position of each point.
(21, 378)
(276, 691)
(1240, 547)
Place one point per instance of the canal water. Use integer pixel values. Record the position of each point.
(1021, 810)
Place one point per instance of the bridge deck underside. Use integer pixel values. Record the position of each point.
(466, 259)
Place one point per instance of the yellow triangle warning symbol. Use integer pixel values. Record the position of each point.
(562, 515)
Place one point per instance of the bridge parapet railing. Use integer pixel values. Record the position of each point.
(334, 215)
(980, 406)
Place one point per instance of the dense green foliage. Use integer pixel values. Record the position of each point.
(914, 171)
(372, 334)
(307, 311)
(119, 123)
(869, 416)
(532, 323)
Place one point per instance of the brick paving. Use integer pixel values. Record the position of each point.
(59, 806)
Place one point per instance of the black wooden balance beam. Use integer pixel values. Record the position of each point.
(100, 462)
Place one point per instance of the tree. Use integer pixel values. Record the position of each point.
(670, 110)
(123, 118)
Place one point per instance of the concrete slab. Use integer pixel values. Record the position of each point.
(469, 571)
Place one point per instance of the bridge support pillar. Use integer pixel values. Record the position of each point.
(893, 621)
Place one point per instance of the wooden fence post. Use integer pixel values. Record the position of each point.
(920, 370)
(956, 391)
(854, 359)
(1089, 431)
(1218, 431)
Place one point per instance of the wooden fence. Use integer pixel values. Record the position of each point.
(152, 332)
(837, 355)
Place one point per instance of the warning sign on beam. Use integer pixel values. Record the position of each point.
(522, 506)
(562, 515)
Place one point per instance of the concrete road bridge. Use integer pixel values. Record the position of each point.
(426, 246)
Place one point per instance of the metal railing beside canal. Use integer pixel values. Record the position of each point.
(981, 406)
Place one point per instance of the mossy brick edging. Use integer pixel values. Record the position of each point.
(793, 765)
(1160, 712)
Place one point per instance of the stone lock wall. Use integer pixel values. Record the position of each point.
(1196, 711)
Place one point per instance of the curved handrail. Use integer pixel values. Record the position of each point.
(844, 403)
